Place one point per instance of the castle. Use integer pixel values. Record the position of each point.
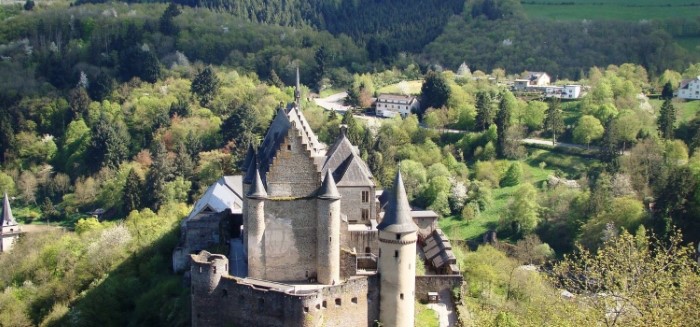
(310, 240)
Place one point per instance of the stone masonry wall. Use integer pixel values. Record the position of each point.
(435, 283)
(354, 303)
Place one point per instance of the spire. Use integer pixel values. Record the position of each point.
(248, 157)
(249, 177)
(397, 217)
(257, 190)
(7, 218)
(297, 90)
(328, 190)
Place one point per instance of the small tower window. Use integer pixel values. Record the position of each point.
(324, 304)
(365, 213)
(396, 253)
(306, 309)
(365, 196)
(354, 300)
(401, 296)
(289, 147)
(337, 302)
(398, 237)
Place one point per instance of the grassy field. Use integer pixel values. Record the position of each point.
(410, 87)
(611, 9)
(425, 317)
(685, 110)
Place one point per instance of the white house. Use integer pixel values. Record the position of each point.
(690, 89)
(571, 91)
(390, 105)
(538, 79)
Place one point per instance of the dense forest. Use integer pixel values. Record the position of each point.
(138, 108)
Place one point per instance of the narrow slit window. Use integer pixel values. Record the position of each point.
(396, 253)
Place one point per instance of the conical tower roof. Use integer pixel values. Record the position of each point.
(7, 218)
(328, 190)
(257, 189)
(397, 217)
(297, 90)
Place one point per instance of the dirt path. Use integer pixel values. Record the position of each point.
(38, 228)
(447, 313)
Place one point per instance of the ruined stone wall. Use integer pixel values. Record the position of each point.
(360, 240)
(354, 303)
(435, 283)
(290, 239)
(352, 205)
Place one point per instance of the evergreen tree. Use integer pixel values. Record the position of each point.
(193, 144)
(29, 5)
(184, 166)
(167, 26)
(354, 133)
(503, 120)
(666, 119)
(160, 173)
(276, 80)
(609, 150)
(109, 144)
(321, 57)
(180, 107)
(513, 176)
(7, 136)
(101, 86)
(240, 128)
(554, 121)
(79, 102)
(205, 86)
(484, 111)
(132, 192)
(667, 92)
(435, 91)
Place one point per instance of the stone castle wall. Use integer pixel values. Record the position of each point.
(233, 302)
(352, 205)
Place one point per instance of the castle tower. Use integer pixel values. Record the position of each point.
(10, 229)
(247, 180)
(397, 260)
(328, 232)
(256, 225)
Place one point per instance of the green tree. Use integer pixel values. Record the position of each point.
(205, 86)
(109, 144)
(132, 192)
(29, 5)
(484, 111)
(648, 281)
(534, 115)
(667, 92)
(554, 121)
(588, 129)
(167, 25)
(435, 91)
(240, 128)
(503, 120)
(523, 212)
(79, 102)
(160, 173)
(513, 175)
(666, 119)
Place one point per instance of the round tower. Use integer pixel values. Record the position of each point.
(248, 177)
(397, 260)
(206, 271)
(256, 226)
(328, 232)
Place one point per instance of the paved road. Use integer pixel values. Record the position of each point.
(447, 313)
(333, 102)
(559, 144)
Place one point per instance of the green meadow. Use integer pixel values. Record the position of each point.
(611, 9)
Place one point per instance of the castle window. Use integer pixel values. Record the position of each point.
(318, 306)
(365, 196)
(401, 296)
(398, 237)
(380, 252)
(354, 300)
(214, 269)
(200, 270)
(289, 147)
(306, 309)
(368, 250)
(329, 239)
(337, 302)
(396, 253)
(325, 304)
(365, 213)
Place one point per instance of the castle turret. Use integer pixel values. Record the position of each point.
(10, 229)
(248, 167)
(256, 225)
(328, 232)
(397, 259)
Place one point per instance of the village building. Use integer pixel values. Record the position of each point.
(303, 238)
(689, 89)
(10, 231)
(570, 91)
(390, 105)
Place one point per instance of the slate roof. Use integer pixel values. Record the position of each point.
(397, 218)
(257, 189)
(390, 98)
(686, 82)
(225, 193)
(328, 189)
(353, 172)
(273, 138)
(7, 218)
